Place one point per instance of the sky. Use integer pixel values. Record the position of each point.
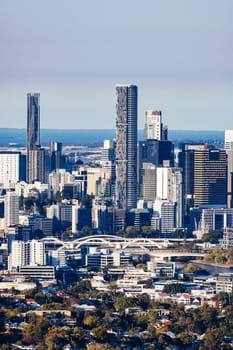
(179, 54)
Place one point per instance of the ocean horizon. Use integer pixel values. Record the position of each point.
(17, 137)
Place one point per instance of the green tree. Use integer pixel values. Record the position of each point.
(91, 321)
(130, 232)
(100, 333)
(212, 237)
(5, 347)
(147, 231)
(214, 337)
(185, 338)
(86, 231)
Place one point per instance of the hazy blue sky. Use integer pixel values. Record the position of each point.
(178, 52)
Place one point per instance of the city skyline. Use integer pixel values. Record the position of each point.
(178, 54)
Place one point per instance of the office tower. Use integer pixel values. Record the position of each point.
(108, 151)
(58, 178)
(101, 219)
(95, 176)
(149, 180)
(126, 146)
(80, 181)
(205, 176)
(36, 165)
(158, 153)
(10, 168)
(229, 150)
(153, 125)
(11, 209)
(35, 154)
(170, 187)
(33, 120)
(65, 216)
(33, 128)
(138, 218)
(165, 133)
(55, 155)
(108, 158)
(166, 213)
(81, 217)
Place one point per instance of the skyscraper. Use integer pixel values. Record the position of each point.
(126, 146)
(205, 176)
(33, 121)
(36, 165)
(33, 127)
(55, 155)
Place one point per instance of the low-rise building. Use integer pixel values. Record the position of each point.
(224, 283)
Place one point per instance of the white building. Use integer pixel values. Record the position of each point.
(166, 211)
(11, 209)
(153, 125)
(169, 187)
(36, 253)
(17, 258)
(9, 168)
(224, 283)
(58, 178)
(30, 253)
(36, 190)
(227, 241)
(75, 217)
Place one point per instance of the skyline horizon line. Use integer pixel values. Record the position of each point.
(93, 129)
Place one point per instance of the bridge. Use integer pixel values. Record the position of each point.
(115, 242)
(172, 253)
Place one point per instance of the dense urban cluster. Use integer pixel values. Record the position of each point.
(96, 241)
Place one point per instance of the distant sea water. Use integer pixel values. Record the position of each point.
(95, 137)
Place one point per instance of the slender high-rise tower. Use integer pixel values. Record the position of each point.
(126, 146)
(55, 155)
(33, 129)
(33, 121)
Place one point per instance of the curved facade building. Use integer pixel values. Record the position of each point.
(33, 128)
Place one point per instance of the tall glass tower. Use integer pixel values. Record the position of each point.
(55, 155)
(33, 127)
(126, 146)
